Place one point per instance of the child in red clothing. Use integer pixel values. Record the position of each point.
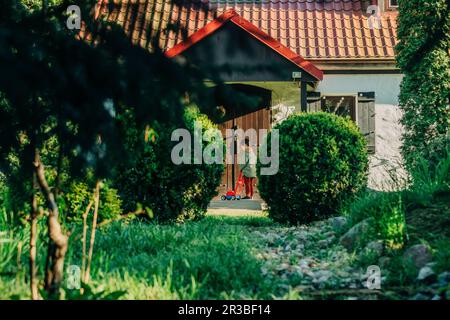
(249, 169)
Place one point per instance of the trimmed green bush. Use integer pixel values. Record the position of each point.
(323, 164)
(173, 192)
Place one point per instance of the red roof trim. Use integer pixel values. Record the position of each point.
(231, 15)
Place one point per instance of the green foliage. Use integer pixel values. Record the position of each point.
(323, 164)
(431, 174)
(110, 205)
(442, 254)
(40, 58)
(428, 201)
(422, 54)
(7, 248)
(172, 192)
(77, 198)
(79, 194)
(3, 192)
(385, 212)
(157, 261)
(401, 273)
(88, 293)
(214, 261)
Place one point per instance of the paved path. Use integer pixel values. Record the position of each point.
(235, 206)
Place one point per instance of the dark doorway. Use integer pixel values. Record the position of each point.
(243, 107)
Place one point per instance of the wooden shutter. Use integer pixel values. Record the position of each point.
(366, 118)
(313, 102)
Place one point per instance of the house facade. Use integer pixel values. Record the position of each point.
(291, 55)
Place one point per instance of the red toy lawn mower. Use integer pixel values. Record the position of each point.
(236, 193)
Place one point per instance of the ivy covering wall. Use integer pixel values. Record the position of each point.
(423, 56)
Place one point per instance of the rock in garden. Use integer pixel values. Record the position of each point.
(420, 296)
(338, 223)
(322, 276)
(322, 243)
(426, 274)
(303, 263)
(351, 238)
(384, 262)
(376, 247)
(418, 254)
(444, 278)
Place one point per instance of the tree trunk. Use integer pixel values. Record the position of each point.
(57, 246)
(83, 259)
(94, 227)
(33, 237)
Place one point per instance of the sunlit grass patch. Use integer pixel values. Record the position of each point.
(244, 218)
(205, 259)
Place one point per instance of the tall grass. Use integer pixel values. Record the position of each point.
(431, 181)
(209, 259)
(387, 211)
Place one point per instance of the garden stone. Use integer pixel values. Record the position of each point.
(322, 243)
(418, 254)
(436, 297)
(338, 223)
(304, 263)
(426, 274)
(329, 235)
(301, 235)
(376, 247)
(444, 278)
(351, 238)
(322, 276)
(384, 262)
(420, 296)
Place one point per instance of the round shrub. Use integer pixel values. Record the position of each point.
(173, 192)
(322, 164)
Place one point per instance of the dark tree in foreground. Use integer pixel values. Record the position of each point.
(54, 87)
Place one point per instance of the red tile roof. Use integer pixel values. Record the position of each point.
(313, 29)
(233, 17)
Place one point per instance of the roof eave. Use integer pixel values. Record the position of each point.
(232, 16)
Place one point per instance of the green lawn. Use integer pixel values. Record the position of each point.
(240, 255)
(209, 259)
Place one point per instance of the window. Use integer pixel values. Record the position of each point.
(392, 4)
(360, 108)
(344, 106)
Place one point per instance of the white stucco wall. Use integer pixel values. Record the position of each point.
(385, 86)
(386, 169)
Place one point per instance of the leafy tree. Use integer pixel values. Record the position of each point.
(54, 86)
(172, 192)
(422, 54)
